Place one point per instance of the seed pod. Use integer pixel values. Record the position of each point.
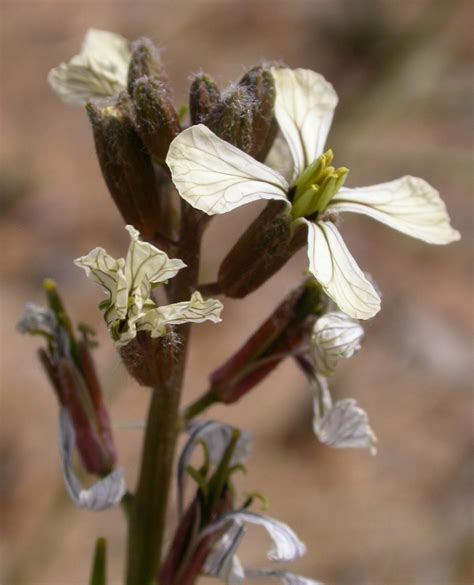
(267, 244)
(155, 117)
(261, 87)
(144, 61)
(204, 97)
(126, 166)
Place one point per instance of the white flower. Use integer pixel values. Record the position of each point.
(101, 495)
(216, 177)
(100, 70)
(343, 424)
(335, 336)
(129, 283)
(224, 564)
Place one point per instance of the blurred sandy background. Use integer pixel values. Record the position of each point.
(403, 73)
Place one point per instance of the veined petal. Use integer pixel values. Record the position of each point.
(335, 336)
(103, 494)
(99, 71)
(409, 204)
(146, 265)
(216, 437)
(196, 310)
(336, 270)
(223, 563)
(216, 177)
(108, 273)
(37, 320)
(286, 545)
(304, 108)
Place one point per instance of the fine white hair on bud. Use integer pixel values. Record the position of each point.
(98, 71)
(335, 336)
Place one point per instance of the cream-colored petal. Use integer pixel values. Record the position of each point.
(338, 273)
(335, 336)
(196, 310)
(108, 273)
(216, 177)
(146, 265)
(304, 108)
(409, 204)
(99, 71)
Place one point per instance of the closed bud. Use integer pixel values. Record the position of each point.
(232, 119)
(267, 244)
(126, 166)
(155, 117)
(145, 60)
(204, 97)
(261, 86)
(282, 334)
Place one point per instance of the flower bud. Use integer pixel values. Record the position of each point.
(145, 60)
(280, 335)
(267, 244)
(126, 167)
(204, 97)
(70, 368)
(232, 119)
(261, 86)
(335, 336)
(155, 117)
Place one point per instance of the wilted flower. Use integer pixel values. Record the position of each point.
(100, 69)
(129, 283)
(216, 177)
(335, 336)
(342, 424)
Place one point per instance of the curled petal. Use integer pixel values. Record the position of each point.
(216, 437)
(108, 273)
(216, 177)
(37, 320)
(99, 71)
(146, 265)
(196, 310)
(336, 270)
(343, 424)
(223, 563)
(409, 205)
(286, 545)
(304, 108)
(335, 336)
(105, 493)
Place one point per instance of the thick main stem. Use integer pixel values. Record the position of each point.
(148, 514)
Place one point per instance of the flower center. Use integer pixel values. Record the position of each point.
(316, 186)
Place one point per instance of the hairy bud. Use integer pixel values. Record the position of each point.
(204, 98)
(126, 166)
(267, 244)
(261, 87)
(232, 119)
(155, 117)
(145, 60)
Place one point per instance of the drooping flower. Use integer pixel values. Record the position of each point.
(100, 69)
(341, 424)
(216, 177)
(129, 283)
(335, 336)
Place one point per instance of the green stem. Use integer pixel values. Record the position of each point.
(199, 405)
(147, 522)
(149, 507)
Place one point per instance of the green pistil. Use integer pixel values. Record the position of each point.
(317, 185)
